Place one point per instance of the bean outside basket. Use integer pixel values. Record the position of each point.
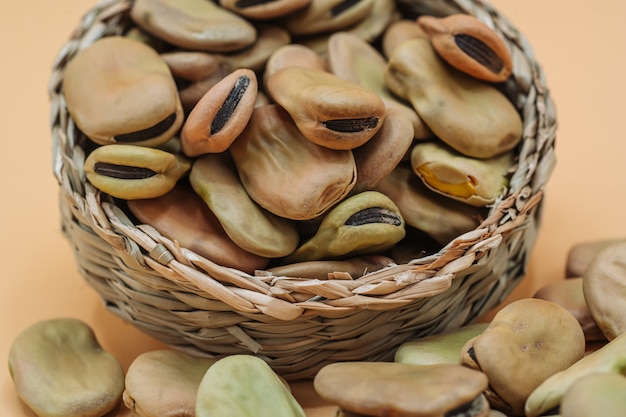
(298, 325)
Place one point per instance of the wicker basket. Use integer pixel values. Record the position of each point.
(299, 325)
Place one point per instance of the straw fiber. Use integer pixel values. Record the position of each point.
(297, 324)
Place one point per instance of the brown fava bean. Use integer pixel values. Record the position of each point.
(193, 24)
(269, 38)
(581, 254)
(569, 295)
(439, 216)
(382, 153)
(477, 182)
(272, 156)
(401, 389)
(355, 267)
(60, 370)
(264, 9)
(322, 16)
(182, 216)
(468, 114)
(120, 90)
(521, 344)
(164, 383)
(398, 32)
(292, 55)
(469, 45)
(328, 110)
(131, 172)
(220, 115)
(215, 180)
(368, 222)
(353, 59)
(604, 288)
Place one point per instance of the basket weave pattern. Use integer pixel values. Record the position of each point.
(299, 325)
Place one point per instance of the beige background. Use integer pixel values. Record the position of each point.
(579, 43)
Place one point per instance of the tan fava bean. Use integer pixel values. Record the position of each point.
(264, 9)
(60, 370)
(322, 16)
(244, 386)
(269, 38)
(581, 254)
(368, 222)
(526, 342)
(601, 394)
(214, 178)
(355, 60)
(355, 267)
(402, 389)
(182, 216)
(477, 182)
(164, 383)
(292, 55)
(610, 358)
(120, 90)
(469, 45)
(328, 110)
(130, 172)
(438, 216)
(220, 115)
(604, 288)
(468, 114)
(272, 156)
(193, 24)
(398, 32)
(569, 295)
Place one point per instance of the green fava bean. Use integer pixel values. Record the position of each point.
(244, 386)
(60, 370)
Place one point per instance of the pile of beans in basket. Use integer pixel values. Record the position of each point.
(295, 133)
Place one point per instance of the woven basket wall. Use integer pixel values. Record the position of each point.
(299, 325)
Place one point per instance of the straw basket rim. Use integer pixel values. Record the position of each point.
(195, 305)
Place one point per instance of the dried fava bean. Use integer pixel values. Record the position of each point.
(164, 383)
(610, 358)
(601, 394)
(355, 267)
(60, 370)
(328, 110)
(368, 222)
(468, 114)
(477, 182)
(581, 254)
(269, 39)
(401, 389)
(604, 288)
(398, 32)
(438, 216)
(130, 172)
(355, 60)
(526, 342)
(195, 73)
(569, 295)
(292, 55)
(193, 24)
(120, 90)
(220, 115)
(469, 45)
(264, 9)
(182, 216)
(438, 348)
(215, 180)
(382, 153)
(272, 156)
(244, 386)
(322, 16)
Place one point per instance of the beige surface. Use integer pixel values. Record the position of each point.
(580, 44)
